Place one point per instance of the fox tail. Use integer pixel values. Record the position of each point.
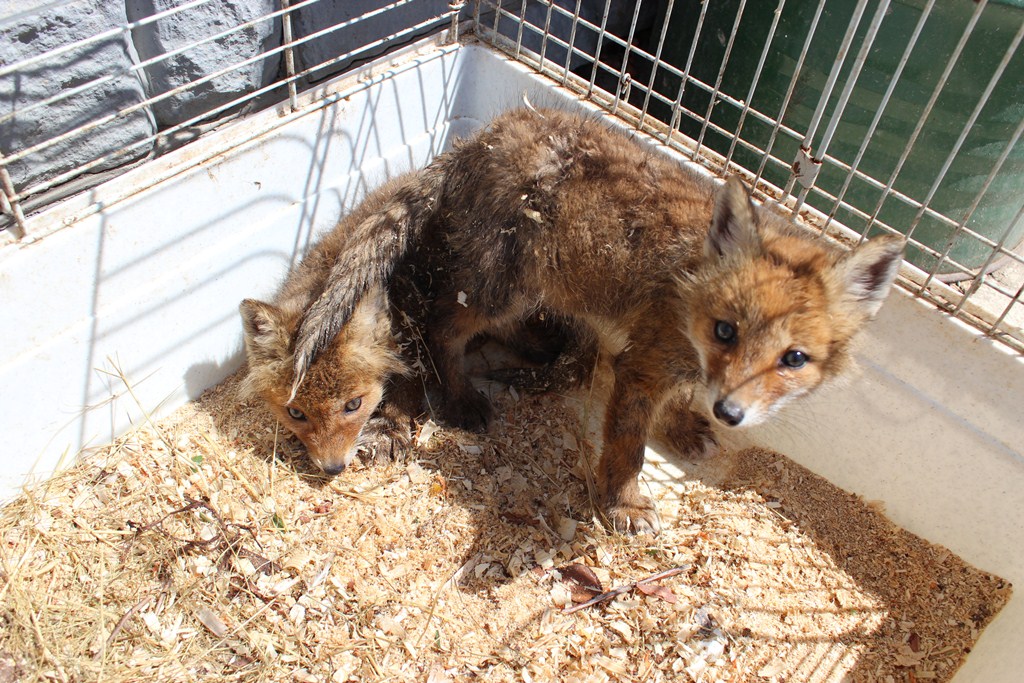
(366, 261)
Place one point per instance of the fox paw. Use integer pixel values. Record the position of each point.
(687, 434)
(383, 440)
(470, 410)
(635, 517)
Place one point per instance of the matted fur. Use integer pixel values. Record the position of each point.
(360, 387)
(369, 376)
(681, 282)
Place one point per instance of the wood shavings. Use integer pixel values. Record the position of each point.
(208, 548)
(616, 592)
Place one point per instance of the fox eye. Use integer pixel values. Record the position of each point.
(353, 405)
(725, 332)
(794, 359)
(296, 414)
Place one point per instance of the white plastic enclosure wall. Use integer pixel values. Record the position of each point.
(149, 285)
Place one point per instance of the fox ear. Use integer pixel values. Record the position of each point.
(870, 269)
(734, 223)
(266, 336)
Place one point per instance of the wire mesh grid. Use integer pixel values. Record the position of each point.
(863, 116)
(88, 87)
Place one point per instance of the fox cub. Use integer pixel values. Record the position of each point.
(360, 392)
(679, 281)
(366, 388)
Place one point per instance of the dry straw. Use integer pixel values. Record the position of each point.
(204, 548)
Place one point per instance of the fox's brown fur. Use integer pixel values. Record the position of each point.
(370, 381)
(360, 390)
(680, 282)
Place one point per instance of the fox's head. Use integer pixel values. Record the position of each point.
(342, 388)
(771, 313)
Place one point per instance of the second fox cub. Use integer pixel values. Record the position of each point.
(361, 391)
(681, 282)
(370, 382)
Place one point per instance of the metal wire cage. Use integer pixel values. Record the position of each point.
(88, 88)
(861, 117)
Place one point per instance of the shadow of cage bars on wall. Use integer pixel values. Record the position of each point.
(861, 116)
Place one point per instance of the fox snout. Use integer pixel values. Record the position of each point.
(332, 466)
(331, 455)
(728, 412)
(739, 409)
(331, 432)
(733, 411)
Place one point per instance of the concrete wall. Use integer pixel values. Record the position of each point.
(349, 40)
(113, 73)
(107, 60)
(197, 63)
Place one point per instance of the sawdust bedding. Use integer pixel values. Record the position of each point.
(205, 548)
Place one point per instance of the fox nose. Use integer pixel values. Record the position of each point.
(333, 468)
(728, 412)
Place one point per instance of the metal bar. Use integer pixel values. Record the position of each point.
(33, 12)
(625, 79)
(789, 91)
(844, 96)
(979, 278)
(519, 33)
(237, 136)
(383, 9)
(721, 74)
(289, 55)
(936, 91)
(780, 128)
(600, 44)
(572, 42)
(676, 106)
(11, 201)
(612, 38)
(833, 75)
(455, 7)
(497, 16)
(102, 121)
(96, 38)
(577, 51)
(657, 61)
(224, 107)
(826, 91)
(754, 81)
(993, 283)
(66, 94)
(886, 97)
(96, 123)
(894, 194)
(974, 205)
(965, 131)
(1015, 300)
(546, 34)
